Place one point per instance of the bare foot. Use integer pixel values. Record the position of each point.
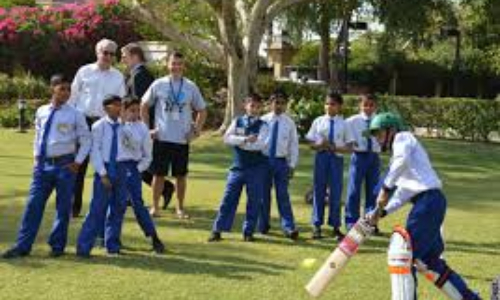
(154, 213)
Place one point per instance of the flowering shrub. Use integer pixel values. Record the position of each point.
(60, 39)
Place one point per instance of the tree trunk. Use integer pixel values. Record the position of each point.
(237, 87)
(438, 88)
(336, 66)
(393, 88)
(480, 88)
(324, 53)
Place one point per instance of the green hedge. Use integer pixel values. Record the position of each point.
(25, 86)
(469, 119)
(9, 115)
(462, 118)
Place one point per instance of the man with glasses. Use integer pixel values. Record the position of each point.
(92, 83)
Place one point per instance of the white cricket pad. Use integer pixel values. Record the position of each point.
(440, 281)
(399, 258)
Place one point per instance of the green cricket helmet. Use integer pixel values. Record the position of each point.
(385, 121)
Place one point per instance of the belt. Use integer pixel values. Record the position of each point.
(278, 158)
(55, 160)
(128, 161)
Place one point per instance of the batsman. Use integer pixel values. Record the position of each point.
(418, 246)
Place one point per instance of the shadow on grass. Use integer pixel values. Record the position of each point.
(473, 248)
(202, 219)
(192, 259)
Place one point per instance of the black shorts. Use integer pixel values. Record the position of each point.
(170, 158)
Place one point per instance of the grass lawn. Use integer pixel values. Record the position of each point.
(267, 269)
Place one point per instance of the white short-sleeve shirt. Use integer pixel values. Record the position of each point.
(320, 130)
(174, 102)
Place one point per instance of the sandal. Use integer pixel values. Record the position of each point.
(182, 215)
(154, 213)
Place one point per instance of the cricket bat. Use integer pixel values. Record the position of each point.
(340, 257)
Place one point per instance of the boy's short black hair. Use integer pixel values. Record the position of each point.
(176, 54)
(58, 79)
(278, 93)
(253, 97)
(368, 96)
(128, 101)
(110, 99)
(335, 96)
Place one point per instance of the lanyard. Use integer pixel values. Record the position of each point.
(176, 96)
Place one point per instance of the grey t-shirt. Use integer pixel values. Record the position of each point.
(174, 102)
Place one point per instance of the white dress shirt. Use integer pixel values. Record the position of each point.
(410, 167)
(68, 132)
(91, 85)
(287, 144)
(136, 144)
(102, 135)
(235, 136)
(320, 130)
(358, 125)
(400, 197)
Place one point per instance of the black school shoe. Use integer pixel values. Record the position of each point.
(158, 246)
(337, 234)
(56, 254)
(83, 255)
(265, 230)
(316, 234)
(215, 237)
(248, 238)
(293, 235)
(14, 253)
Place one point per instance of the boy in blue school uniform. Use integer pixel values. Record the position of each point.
(62, 142)
(283, 153)
(137, 148)
(365, 162)
(330, 137)
(109, 195)
(418, 246)
(247, 135)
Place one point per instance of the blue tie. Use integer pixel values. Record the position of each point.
(274, 140)
(331, 132)
(369, 145)
(46, 132)
(114, 151)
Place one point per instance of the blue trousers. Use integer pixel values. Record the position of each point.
(252, 179)
(423, 225)
(328, 173)
(47, 177)
(105, 201)
(277, 175)
(365, 166)
(134, 189)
